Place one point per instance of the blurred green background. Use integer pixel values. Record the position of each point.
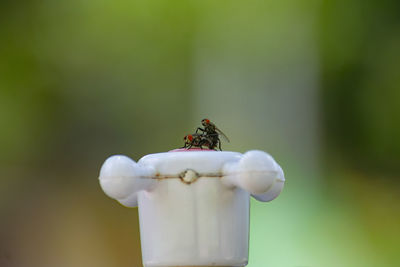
(314, 83)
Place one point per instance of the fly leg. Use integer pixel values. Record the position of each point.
(185, 145)
(202, 143)
(201, 129)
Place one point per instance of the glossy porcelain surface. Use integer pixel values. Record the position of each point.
(193, 205)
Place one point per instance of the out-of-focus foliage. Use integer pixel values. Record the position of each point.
(315, 83)
(360, 57)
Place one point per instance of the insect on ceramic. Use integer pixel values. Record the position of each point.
(193, 203)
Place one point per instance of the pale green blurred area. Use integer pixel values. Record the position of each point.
(314, 83)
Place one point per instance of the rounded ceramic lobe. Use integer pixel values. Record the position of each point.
(257, 173)
(122, 178)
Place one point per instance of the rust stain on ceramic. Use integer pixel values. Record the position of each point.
(188, 176)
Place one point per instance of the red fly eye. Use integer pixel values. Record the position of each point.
(207, 121)
(190, 137)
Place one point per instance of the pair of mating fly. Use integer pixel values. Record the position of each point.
(209, 137)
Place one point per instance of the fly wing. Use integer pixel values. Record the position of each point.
(222, 134)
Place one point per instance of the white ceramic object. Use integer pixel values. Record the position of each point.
(193, 205)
